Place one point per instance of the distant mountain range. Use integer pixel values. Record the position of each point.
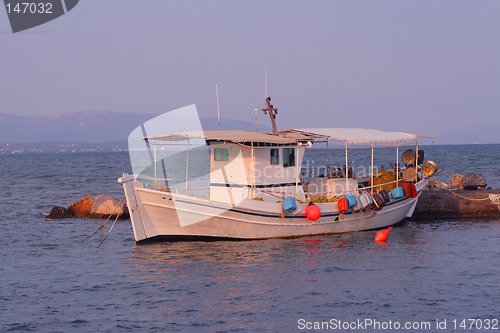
(91, 126)
(98, 127)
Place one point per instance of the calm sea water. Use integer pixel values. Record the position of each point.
(51, 282)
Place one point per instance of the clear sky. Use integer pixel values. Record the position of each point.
(426, 67)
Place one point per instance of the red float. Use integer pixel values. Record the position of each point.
(409, 189)
(406, 189)
(313, 212)
(343, 205)
(381, 236)
(413, 190)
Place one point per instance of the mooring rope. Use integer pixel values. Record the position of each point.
(112, 226)
(100, 228)
(102, 225)
(461, 196)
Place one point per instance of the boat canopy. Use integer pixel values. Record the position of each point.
(236, 136)
(354, 136)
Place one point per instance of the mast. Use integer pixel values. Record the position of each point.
(218, 111)
(256, 126)
(272, 113)
(265, 95)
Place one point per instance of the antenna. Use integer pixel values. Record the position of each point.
(270, 108)
(265, 85)
(218, 110)
(256, 128)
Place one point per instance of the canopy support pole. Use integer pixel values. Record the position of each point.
(187, 165)
(155, 163)
(252, 170)
(326, 158)
(372, 170)
(397, 164)
(297, 172)
(416, 163)
(346, 170)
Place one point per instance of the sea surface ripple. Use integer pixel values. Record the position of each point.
(52, 282)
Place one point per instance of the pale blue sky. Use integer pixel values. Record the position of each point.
(426, 67)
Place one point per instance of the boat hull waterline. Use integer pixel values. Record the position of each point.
(155, 214)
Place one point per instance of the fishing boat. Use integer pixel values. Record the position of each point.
(256, 184)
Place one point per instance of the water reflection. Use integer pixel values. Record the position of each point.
(446, 268)
(263, 283)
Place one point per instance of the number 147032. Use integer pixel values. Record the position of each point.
(29, 8)
(476, 324)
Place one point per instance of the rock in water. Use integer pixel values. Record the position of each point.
(82, 208)
(58, 213)
(106, 205)
(456, 182)
(473, 181)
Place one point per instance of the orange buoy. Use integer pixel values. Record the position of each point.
(382, 235)
(313, 212)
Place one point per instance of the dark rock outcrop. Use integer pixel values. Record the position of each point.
(473, 181)
(83, 207)
(58, 213)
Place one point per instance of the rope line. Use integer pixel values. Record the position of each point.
(101, 228)
(461, 196)
(112, 226)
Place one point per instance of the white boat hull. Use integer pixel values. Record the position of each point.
(155, 216)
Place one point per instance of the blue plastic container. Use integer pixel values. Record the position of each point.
(351, 199)
(289, 205)
(358, 205)
(362, 201)
(397, 192)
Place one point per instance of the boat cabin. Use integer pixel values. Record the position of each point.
(252, 165)
(246, 165)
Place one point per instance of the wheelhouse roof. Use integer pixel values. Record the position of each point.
(236, 136)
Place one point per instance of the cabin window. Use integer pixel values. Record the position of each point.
(220, 154)
(275, 156)
(288, 157)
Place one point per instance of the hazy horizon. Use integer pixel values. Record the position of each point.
(420, 67)
(108, 126)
